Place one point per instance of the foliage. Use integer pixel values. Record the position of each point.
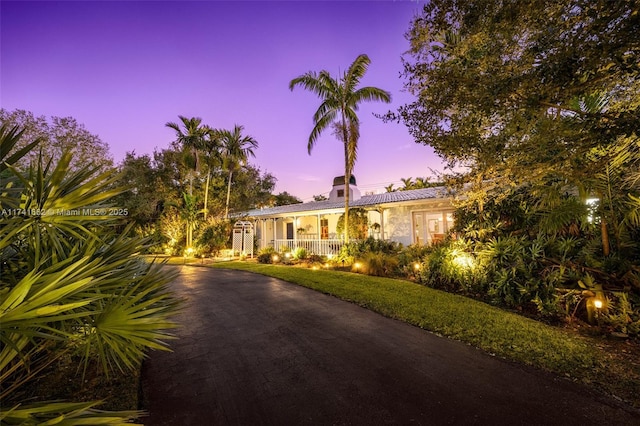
(411, 257)
(235, 151)
(418, 183)
(538, 101)
(71, 276)
(215, 236)
(172, 228)
(340, 98)
(57, 135)
(511, 89)
(358, 224)
(265, 255)
(378, 263)
(283, 199)
(300, 253)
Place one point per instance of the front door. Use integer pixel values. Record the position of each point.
(290, 231)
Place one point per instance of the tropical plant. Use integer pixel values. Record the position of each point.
(266, 254)
(215, 236)
(340, 99)
(379, 264)
(358, 225)
(236, 149)
(70, 276)
(194, 138)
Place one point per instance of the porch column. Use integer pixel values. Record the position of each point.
(275, 234)
(295, 231)
(318, 227)
(381, 210)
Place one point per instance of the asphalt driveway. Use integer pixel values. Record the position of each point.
(255, 350)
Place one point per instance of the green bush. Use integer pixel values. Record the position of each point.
(300, 253)
(214, 237)
(379, 264)
(266, 254)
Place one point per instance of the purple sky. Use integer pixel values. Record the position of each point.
(124, 69)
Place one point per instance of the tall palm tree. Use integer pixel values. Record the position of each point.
(212, 149)
(191, 136)
(236, 149)
(340, 98)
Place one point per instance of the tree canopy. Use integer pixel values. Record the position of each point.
(524, 91)
(58, 135)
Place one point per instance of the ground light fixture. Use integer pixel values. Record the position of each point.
(357, 265)
(275, 258)
(597, 303)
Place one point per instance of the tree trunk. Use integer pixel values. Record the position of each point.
(347, 178)
(226, 213)
(604, 232)
(206, 195)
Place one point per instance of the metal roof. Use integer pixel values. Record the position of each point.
(438, 192)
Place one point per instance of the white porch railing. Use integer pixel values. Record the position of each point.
(321, 247)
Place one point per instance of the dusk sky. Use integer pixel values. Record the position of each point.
(124, 69)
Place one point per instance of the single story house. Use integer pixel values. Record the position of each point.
(418, 216)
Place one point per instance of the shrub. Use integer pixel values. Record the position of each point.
(379, 264)
(266, 254)
(300, 253)
(214, 237)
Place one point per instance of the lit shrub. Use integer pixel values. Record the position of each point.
(379, 264)
(300, 253)
(266, 254)
(214, 237)
(451, 266)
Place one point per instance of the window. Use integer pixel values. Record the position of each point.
(340, 192)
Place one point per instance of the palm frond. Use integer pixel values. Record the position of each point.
(355, 72)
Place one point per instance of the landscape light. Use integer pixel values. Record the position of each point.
(464, 260)
(416, 266)
(275, 258)
(597, 303)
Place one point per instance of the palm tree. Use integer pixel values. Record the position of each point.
(212, 149)
(236, 149)
(408, 183)
(340, 101)
(191, 136)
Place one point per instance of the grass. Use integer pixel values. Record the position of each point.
(505, 334)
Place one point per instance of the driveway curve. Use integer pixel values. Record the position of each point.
(255, 350)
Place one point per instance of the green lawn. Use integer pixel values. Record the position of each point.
(494, 330)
